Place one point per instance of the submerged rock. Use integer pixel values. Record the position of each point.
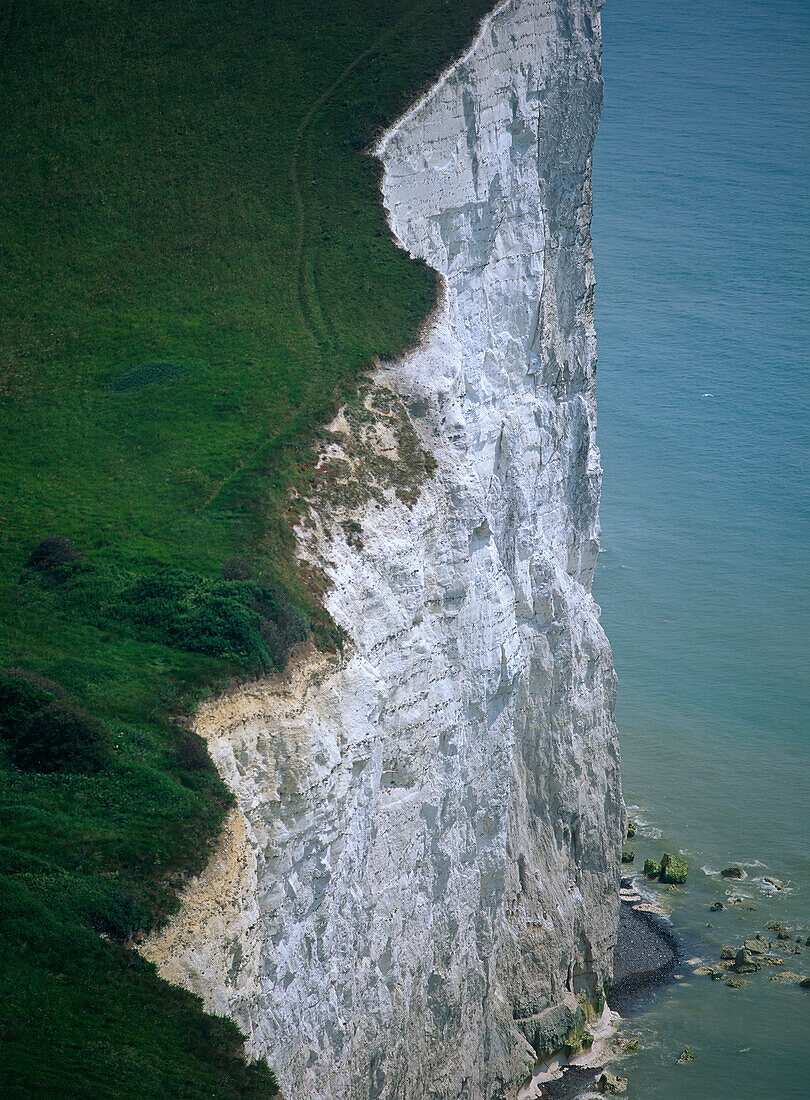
(686, 1056)
(718, 905)
(789, 977)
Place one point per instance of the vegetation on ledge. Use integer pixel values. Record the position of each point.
(196, 270)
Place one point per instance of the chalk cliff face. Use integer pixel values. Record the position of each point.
(433, 820)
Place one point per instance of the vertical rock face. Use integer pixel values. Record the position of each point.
(435, 818)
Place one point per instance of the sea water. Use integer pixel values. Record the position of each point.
(702, 240)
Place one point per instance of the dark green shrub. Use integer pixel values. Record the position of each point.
(36, 680)
(20, 699)
(52, 553)
(250, 624)
(192, 753)
(61, 738)
(52, 562)
(150, 373)
(237, 569)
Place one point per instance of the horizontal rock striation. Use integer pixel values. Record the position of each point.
(435, 817)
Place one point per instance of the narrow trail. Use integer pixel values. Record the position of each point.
(308, 303)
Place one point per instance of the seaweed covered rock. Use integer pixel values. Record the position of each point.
(651, 868)
(610, 1084)
(673, 869)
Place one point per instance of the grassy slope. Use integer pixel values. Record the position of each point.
(181, 182)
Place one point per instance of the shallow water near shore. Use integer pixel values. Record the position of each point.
(702, 237)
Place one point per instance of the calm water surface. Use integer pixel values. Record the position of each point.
(702, 240)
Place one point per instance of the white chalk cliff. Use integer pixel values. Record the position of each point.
(420, 884)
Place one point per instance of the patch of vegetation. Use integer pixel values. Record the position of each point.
(196, 271)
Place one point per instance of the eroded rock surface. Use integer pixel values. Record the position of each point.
(436, 817)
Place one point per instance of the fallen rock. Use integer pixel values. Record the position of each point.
(673, 869)
(686, 1056)
(775, 882)
(734, 983)
(728, 953)
(718, 905)
(610, 1083)
(628, 856)
(631, 829)
(733, 872)
(771, 960)
(651, 868)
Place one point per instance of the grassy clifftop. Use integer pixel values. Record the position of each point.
(195, 269)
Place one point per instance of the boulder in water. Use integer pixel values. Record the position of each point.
(744, 963)
(651, 868)
(781, 931)
(733, 872)
(610, 1083)
(758, 945)
(673, 869)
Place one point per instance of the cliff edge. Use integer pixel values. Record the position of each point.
(419, 896)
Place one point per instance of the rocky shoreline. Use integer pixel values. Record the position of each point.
(647, 956)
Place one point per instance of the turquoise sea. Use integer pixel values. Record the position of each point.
(702, 240)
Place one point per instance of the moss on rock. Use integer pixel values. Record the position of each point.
(673, 869)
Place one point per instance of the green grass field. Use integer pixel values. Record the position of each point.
(196, 269)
